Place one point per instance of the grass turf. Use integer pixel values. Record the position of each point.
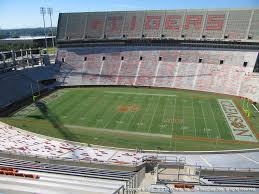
(180, 120)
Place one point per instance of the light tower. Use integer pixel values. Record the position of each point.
(50, 12)
(43, 12)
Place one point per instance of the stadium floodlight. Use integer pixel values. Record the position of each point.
(43, 12)
(50, 12)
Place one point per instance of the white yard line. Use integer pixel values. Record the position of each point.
(142, 94)
(145, 112)
(133, 114)
(153, 115)
(165, 107)
(173, 116)
(194, 119)
(183, 117)
(255, 108)
(204, 121)
(206, 161)
(215, 121)
(114, 114)
(248, 158)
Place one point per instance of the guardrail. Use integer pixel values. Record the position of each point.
(230, 169)
(132, 184)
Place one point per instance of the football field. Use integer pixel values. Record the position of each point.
(116, 116)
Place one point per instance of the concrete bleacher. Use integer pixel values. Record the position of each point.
(129, 67)
(110, 69)
(224, 72)
(217, 24)
(55, 178)
(232, 181)
(17, 141)
(147, 69)
(237, 25)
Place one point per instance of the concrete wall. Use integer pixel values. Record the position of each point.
(178, 24)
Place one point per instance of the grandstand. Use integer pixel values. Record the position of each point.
(150, 83)
(225, 25)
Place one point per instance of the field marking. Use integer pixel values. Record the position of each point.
(78, 108)
(153, 115)
(28, 110)
(133, 114)
(114, 114)
(106, 106)
(90, 105)
(206, 128)
(195, 132)
(255, 108)
(165, 107)
(145, 113)
(206, 161)
(172, 134)
(119, 131)
(126, 100)
(215, 120)
(238, 125)
(142, 94)
(183, 116)
(250, 159)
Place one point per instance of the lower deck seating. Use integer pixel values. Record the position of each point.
(17, 141)
(213, 71)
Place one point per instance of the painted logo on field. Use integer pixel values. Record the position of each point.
(128, 108)
(240, 130)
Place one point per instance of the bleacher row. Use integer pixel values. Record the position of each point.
(9, 163)
(227, 72)
(22, 175)
(243, 181)
(19, 142)
(218, 24)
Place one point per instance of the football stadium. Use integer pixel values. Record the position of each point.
(134, 102)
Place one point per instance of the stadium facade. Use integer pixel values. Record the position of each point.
(236, 25)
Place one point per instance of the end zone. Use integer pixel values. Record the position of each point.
(239, 128)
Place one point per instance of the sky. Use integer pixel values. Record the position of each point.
(26, 13)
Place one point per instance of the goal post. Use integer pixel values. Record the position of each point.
(36, 94)
(246, 107)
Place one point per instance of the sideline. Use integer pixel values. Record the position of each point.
(141, 94)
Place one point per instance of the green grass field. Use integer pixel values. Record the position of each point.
(132, 117)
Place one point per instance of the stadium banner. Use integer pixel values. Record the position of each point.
(240, 130)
